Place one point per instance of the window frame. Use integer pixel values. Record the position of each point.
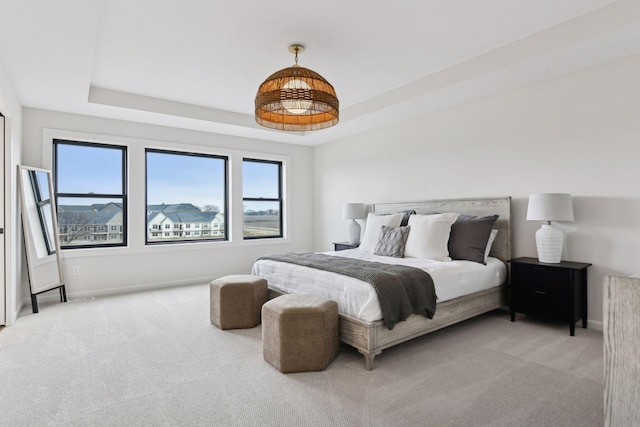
(279, 199)
(123, 196)
(210, 239)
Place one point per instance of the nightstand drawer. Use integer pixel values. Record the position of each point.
(552, 302)
(543, 286)
(540, 275)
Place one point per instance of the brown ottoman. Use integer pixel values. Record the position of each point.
(236, 301)
(300, 332)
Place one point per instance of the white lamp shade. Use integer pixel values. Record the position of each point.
(353, 211)
(550, 207)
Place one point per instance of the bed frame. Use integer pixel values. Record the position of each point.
(370, 338)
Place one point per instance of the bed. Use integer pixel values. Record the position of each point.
(370, 337)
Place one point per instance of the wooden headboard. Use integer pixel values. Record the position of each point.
(479, 207)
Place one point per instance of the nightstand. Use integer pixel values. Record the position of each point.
(341, 246)
(552, 291)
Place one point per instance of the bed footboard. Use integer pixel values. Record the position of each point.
(370, 338)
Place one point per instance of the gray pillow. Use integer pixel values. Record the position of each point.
(391, 241)
(469, 236)
(405, 217)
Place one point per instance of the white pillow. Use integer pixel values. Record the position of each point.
(429, 236)
(372, 229)
(492, 237)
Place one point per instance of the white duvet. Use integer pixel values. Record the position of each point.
(358, 299)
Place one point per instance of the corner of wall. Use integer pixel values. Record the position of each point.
(11, 108)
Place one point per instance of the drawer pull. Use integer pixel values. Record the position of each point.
(540, 292)
(539, 268)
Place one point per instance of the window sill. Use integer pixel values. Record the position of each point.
(170, 247)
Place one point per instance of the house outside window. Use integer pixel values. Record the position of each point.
(185, 188)
(90, 193)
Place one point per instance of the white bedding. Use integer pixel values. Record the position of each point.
(358, 299)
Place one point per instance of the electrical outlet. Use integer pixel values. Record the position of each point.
(76, 271)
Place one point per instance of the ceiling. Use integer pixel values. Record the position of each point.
(197, 64)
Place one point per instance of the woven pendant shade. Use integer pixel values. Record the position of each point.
(296, 99)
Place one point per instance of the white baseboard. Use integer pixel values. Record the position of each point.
(593, 324)
(54, 295)
(16, 313)
(139, 288)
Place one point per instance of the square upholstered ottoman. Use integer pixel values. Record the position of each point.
(236, 301)
(300, 332)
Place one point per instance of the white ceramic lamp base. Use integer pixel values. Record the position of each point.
(353, 230)
(549, 241)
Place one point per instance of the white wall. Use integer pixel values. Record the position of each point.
(110, 270)
(579, 134)
(12, 109)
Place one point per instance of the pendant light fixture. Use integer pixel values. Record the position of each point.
(296, 99)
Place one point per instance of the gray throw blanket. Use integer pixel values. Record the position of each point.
(401, 290)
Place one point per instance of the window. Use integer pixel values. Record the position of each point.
(262, 199)
(90, 192)
(185, 188)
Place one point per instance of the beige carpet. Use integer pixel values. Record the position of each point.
(154, 359)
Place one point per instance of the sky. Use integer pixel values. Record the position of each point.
(171, 177)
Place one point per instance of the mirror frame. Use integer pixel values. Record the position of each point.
(41, 240)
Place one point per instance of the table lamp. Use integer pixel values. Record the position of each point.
(549, 207)
(353, 211)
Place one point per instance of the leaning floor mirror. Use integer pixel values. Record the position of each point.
(40, 231)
